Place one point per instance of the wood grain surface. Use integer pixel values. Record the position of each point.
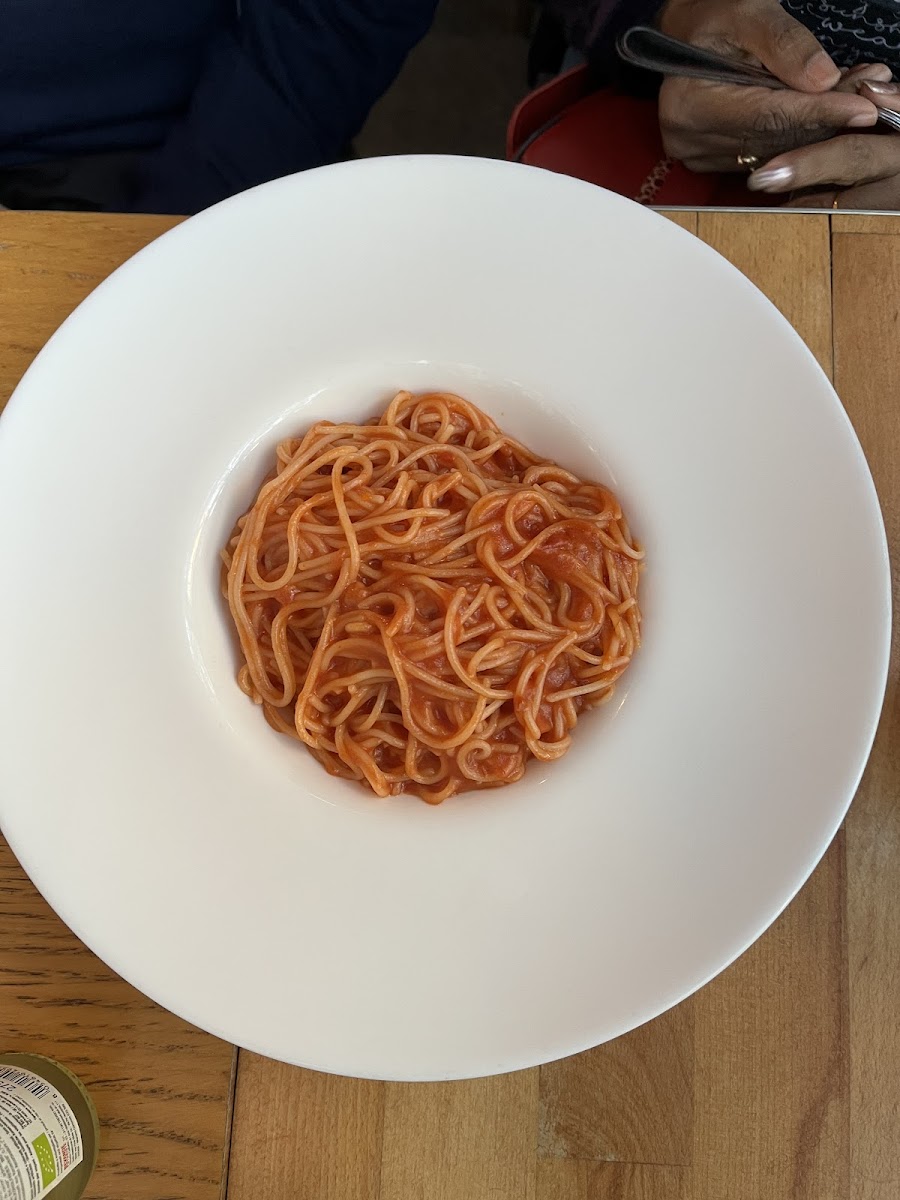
(162, 1088)
(778, 1081)
(303, 1134)
(867, 357)
(48, 264)
(854, 223)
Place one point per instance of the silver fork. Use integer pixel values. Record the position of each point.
(654, 51)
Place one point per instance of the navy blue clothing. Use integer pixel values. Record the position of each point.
(215, 95)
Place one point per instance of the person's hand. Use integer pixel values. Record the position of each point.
(856, 170)
(708, 125)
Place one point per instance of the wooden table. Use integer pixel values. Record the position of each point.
(778, 1081)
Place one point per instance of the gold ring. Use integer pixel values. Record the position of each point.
(749, 162)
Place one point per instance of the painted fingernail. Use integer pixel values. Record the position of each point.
(771, 179)
(881, 89)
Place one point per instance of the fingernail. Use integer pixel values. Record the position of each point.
(862, 75)
(866, 118)
(881, 89)
(771, 179)
(821, 71)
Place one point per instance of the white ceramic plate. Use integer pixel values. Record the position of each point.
(212, 862)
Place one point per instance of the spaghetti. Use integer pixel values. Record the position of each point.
(426, 603)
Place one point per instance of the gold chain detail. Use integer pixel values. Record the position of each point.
(654, 181)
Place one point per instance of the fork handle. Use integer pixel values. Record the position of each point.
(644, 47)
(654, 51)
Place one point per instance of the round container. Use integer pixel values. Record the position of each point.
(63, 1123)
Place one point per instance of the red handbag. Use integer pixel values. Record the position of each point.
(612, 140)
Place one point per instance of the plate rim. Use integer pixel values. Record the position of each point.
(18, 402)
